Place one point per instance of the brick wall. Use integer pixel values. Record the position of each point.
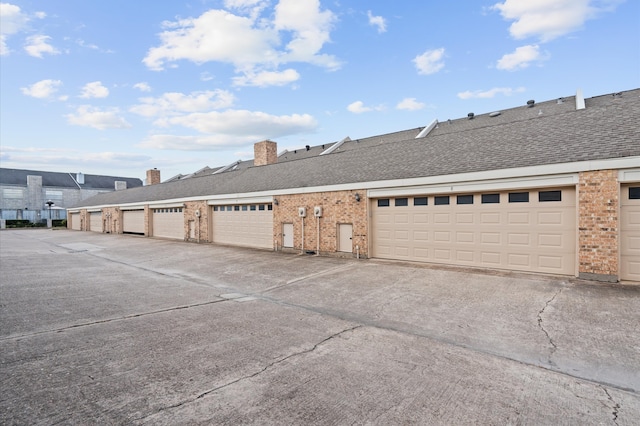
(196, 228)
(338, 207)
(111, 220)
(598, 226)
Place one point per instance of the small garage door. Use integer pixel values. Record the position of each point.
(249, 225)
(168, 223)
(133, 222)
(95, 221)
(519, 230)
(75, 221)
(630, 233)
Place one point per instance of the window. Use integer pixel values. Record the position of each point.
(490, 198)
(252, 208)
(401, 202)
(245, 208)
(12, 193)
(236, 208)
(383, 202)
(634, 193)
(53, 195)
(229, 208)
(549, 196)
(261, 207)
(518, 197)
(269, 207)
(441, 200)
(464, 199)
(420, 201)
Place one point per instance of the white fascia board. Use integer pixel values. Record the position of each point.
(130, 207)
(240, 199)
(632, 175)
(166, 205)
(94, 210)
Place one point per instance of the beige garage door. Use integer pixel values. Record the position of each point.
(249, 225)
(168, 223)
(630, 233)
(75, 221)
(95, 221)
(517, 230)
(133, 221)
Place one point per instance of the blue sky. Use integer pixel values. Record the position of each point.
(117, 87)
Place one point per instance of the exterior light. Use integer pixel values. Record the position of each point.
(357, 197)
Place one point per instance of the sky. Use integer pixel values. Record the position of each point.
(119, 87)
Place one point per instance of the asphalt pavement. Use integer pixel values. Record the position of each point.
(118, 329)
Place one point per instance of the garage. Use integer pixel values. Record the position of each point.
(133, 222)
(95, 221)
(522, 230)
(630, 232)
(75, 221)
(249, 225)
(168, 222)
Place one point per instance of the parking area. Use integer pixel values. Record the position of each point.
(117, 329)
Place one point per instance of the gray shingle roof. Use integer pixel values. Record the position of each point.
(64, 180)
(607, 128)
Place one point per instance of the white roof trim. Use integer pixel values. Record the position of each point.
(165, 205)
(239, 200)
(632, 175)
(335, 146)
(128, 207)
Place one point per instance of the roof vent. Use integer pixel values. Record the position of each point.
(495, 114)
(424, 132)
(531, 103)
(560, 101)
(580, 100)
(80, 178)
(470, 116)
(617, 95)
(308, 147)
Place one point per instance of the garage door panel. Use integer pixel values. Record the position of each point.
(249, 228)
(133, 221)
(629, 235)
(168, 223)
(75, 221)
(95, 222)
(532, 236)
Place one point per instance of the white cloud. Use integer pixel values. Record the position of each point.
(377, 21)
(174, 103)
(37, 45)
(486, 94)
(246, 123)
(251, 43)
(12, 21)
(521, 58)
(95, 89)
(43, 89)
(142, 86)
(549, 19)
(88, 116)
(196, 143)
(430, 62)
(410, 104)
(267, 78)
(358, 107)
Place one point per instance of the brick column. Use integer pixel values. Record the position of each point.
(598, 227)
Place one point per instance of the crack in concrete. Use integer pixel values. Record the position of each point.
(250, 376)
(554, 347)
(616, 406)
(108, 320)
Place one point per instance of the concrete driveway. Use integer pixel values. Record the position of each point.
(112, 329)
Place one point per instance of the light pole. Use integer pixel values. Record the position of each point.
(49, 203)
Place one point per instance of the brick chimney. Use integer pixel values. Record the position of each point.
(265, 152)
(153, 176)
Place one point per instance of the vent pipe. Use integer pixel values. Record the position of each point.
(579, 100)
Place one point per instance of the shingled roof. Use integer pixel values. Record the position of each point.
(551, 132)
(65, 180)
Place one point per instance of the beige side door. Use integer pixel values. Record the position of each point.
(630, 233)
(168, 223)
(133, 221)
(287, 235)
(75, 221)
(345, 237)
(505, 230)
(95, 221)
(249, 225)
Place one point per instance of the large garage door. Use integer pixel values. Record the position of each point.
(248, 225)
(168, 223)
(518, 230)
(630, 233)
(133, 222)
(75, 221)
(95, 221)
